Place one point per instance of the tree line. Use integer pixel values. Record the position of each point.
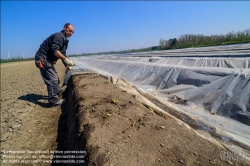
(188, 40)
(192, 40)
(184, 41)
(15, 59)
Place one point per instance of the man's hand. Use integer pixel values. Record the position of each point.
(69, 68)
(68, 62)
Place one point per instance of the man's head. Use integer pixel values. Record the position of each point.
(68, 29)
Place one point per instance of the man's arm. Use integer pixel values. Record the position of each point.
(64, 59)
(57, 43)
(59, 55)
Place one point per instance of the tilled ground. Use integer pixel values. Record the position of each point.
(27, 121)
(99, 118)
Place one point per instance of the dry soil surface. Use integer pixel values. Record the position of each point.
(98, 118)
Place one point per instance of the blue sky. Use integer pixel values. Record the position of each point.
(114, 25)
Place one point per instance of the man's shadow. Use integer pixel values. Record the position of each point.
(34, 98)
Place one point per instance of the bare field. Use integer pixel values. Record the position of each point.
(27, 122)
(98, 117)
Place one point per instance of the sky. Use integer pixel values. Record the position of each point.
(102, 26)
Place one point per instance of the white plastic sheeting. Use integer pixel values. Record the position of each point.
(208, 84)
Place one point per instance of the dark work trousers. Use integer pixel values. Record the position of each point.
(52, 81)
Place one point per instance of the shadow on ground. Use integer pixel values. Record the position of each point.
(35, 98)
